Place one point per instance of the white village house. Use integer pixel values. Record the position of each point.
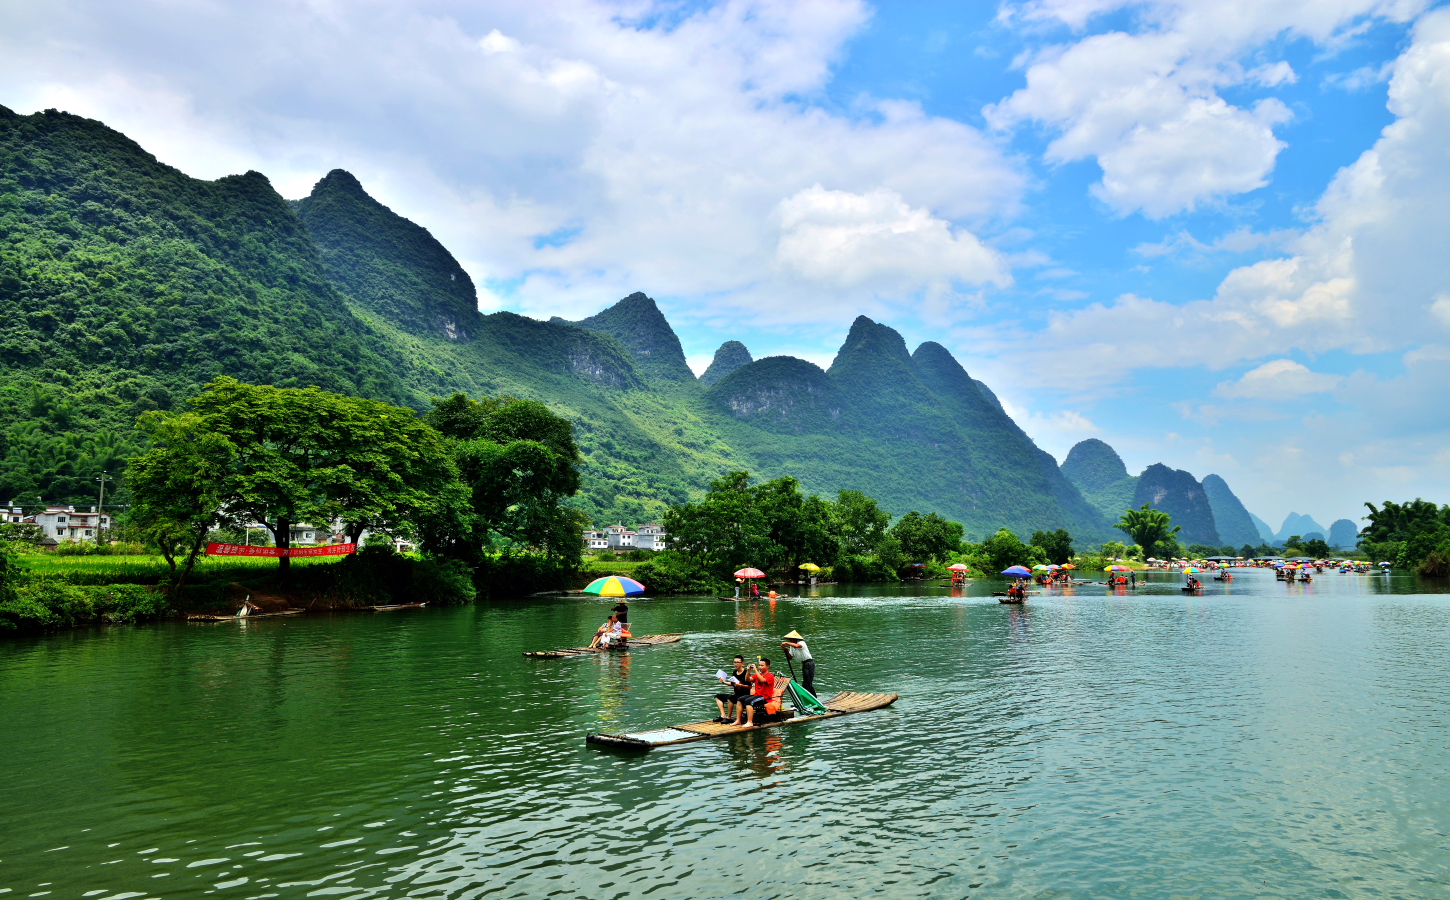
(65, 523)
(620, 539)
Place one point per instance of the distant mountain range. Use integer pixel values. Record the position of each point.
(1209, 511)
(125, 285)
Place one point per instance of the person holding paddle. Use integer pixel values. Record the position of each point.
(795, 648)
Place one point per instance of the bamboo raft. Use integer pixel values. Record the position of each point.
(649, 640)
(200, 617)
(844, 703)
(394, 606)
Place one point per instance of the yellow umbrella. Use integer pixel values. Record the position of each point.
(810, 567)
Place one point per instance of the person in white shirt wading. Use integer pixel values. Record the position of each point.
(795, 648)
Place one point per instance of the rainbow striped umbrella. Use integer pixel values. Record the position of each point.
(614, 586)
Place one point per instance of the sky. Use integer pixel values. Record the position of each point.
(1211, 234)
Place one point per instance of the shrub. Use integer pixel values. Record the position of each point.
(444, 582)
(670, 574)
(42, 604)
(1436, 564)
(863, 569)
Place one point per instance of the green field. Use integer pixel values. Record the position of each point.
(147, 569)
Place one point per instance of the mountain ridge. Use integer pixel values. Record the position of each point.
(337, 290)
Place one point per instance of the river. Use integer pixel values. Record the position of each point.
(1261, 740)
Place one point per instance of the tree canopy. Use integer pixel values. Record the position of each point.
(287, 456)
(519, 464)
(1148, 527)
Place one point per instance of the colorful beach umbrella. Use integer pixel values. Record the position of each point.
(1068, 566)
(1040, 568)
(1017, 571)
(1118, 569)
(959, 567)
(614, 586)
(748, 572)
(1192, 570)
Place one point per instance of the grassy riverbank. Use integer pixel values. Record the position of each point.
(56, 591)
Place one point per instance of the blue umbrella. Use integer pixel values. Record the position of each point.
(1018, 572)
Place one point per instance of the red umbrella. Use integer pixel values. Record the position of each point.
(959, 568)
(749, 573)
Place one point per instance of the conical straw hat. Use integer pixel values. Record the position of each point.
(795, 635)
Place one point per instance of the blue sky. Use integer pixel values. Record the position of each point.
(1208, 233)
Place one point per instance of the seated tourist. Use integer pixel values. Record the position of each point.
(762, 688)
(739, 690)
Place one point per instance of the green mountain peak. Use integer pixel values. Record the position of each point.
(391, 266)
(640, 326)
(732, 355)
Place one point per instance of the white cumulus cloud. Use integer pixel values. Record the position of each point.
(879, 241)
(1146, 105)
(1280, 379)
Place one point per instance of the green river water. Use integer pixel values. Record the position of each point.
(1262, 740)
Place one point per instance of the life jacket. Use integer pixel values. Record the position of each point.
(777, 695)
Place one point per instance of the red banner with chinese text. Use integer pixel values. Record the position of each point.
(290, 552)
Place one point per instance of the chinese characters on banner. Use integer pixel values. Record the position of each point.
(290, 552)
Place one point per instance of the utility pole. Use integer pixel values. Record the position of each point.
(101, 505)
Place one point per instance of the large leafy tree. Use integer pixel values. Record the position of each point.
(1148, 527)
(288, 456)
(720, 533)
(178, 495)
(1056, 545)
(928, 537)
(859, 524)
(770, 526)
(1005, 549)
(519, 464)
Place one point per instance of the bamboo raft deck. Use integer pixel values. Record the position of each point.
(649, 640)
(844, 703)
(396, 606)
(199, 617)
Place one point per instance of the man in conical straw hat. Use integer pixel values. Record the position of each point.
(795, 648)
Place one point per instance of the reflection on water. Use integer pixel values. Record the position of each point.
(1257, 740)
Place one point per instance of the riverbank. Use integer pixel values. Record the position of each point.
(56, 592)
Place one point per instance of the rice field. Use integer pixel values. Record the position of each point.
(147, 569)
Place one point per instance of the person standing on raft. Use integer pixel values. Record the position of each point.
(795, 648)
(621, 615)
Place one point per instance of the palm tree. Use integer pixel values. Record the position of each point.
(1147, 526)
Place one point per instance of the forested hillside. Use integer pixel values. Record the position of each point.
(1099, 472)
(125, 285)
(1179, 494)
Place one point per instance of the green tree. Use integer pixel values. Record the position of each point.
(1056, 545)
(1148, 527)
(1317, 548)
(721, 532)
(927, 538)
(858, 522)
(289, 456)
(179, 490)
(1005, 549)
(520, 465)
(11, 573)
